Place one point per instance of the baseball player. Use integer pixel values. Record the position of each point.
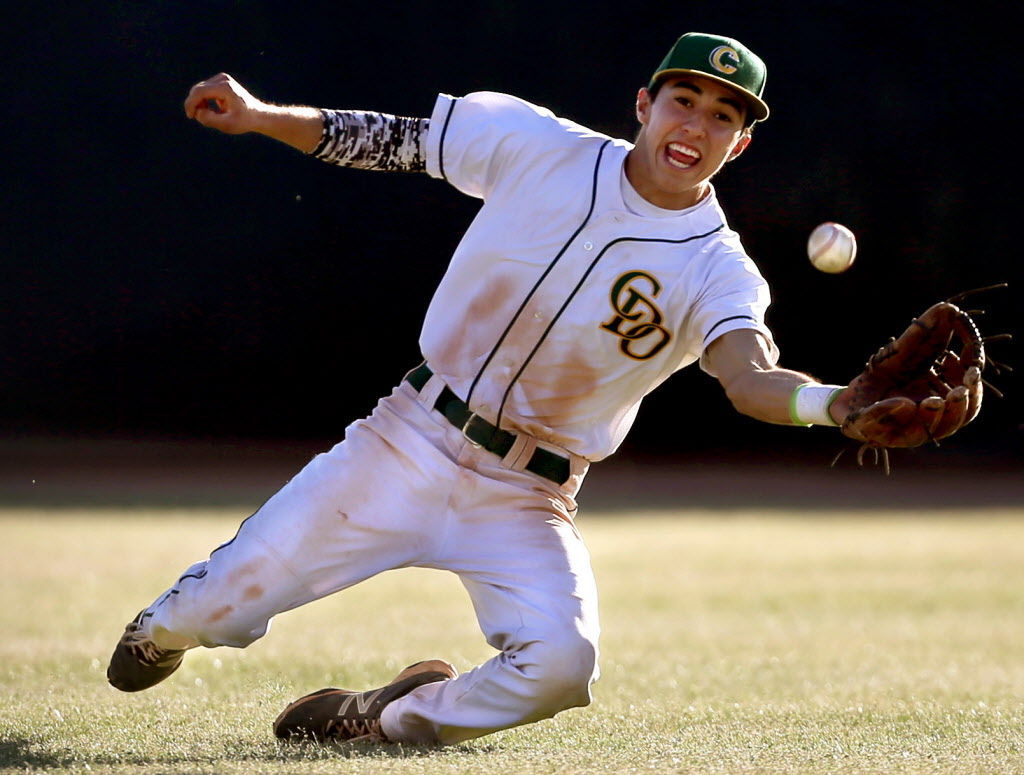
(595, 269)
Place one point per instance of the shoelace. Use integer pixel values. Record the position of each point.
(354, 729)
(145, 650)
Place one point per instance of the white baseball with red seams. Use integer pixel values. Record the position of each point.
(831, 247)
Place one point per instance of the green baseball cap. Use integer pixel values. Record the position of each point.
(720, 59)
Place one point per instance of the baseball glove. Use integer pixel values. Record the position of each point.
(923, 386)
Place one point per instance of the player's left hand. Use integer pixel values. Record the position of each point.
(923, 386)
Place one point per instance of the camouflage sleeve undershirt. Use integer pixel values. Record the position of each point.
(373, 141)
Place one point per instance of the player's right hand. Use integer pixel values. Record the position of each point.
(223, 103)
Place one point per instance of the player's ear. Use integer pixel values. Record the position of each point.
(643, 105)
(741, 145)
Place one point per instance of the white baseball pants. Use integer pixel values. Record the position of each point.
(406, 489)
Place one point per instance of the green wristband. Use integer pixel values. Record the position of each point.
(793, 417)
(810, 402)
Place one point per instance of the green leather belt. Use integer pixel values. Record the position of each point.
(483, 434)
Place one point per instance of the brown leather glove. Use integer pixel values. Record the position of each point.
(921, 387)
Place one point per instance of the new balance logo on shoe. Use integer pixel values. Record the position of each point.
(364, 702)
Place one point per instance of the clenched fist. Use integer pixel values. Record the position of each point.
(223, 103)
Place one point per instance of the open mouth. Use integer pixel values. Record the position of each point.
(681, 156)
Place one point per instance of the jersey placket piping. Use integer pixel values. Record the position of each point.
(533, 291)
(572, 295)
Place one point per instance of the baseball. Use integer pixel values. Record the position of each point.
(831, 247)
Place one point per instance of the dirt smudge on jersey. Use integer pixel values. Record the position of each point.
(481, 310)
(554, 399)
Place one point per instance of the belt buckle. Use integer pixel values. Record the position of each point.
(465, 426)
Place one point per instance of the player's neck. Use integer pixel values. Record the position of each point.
(644, 181)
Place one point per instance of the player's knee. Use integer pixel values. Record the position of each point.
(560, 671)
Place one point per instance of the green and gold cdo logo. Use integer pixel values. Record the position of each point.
(725, 59)
(637, 319)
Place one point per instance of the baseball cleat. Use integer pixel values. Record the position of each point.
(341, 714)
(138, 663)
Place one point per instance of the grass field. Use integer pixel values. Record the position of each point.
(734, 642)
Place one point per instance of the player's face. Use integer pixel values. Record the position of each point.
(692, 127)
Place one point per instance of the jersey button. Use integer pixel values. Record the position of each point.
(588, 245)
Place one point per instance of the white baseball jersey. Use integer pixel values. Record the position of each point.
(564, 305)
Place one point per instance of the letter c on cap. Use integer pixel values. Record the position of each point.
(718, 57)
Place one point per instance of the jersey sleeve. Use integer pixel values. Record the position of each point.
(477, 139)
(738, 299)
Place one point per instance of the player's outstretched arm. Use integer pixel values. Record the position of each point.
(223, 103)
(347, 138)
(758, 388)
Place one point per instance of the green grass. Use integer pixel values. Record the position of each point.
(733, 643)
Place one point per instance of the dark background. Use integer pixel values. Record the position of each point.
(162, 281)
